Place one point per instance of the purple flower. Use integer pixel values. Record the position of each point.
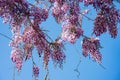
(17, 57)
(35, 71)
(92, 45)
(65, 7)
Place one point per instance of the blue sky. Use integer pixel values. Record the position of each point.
(89, 70)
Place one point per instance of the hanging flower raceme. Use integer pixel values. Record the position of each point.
(17, 57)
(100, 25)
(58, 57)
(57, 54)
(92, 45)
(16, 40)
(35, 71)
(34, 38)
(107, 20)
(16, 9)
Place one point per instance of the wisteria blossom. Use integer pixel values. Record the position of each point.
(17, 57)
(25, 19)
(92, 45)
(35, 71)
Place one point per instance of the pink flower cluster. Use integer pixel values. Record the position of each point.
(67, 12)
(92, 45)
(35, 71)
(39, 15)
(25, 18)
(57, 54)
(70, 32)
(107, 19)
(17, 57)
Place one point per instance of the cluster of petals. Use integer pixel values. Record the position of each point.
(92, 45)
(107, 19)
(25, 19)
(17, 57)
(71, 32)
(35, 71)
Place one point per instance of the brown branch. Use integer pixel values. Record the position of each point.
(46, 76)
(32, 60)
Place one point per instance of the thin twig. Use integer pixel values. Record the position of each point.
(5, 36)
(47, 74)
(77, 67)
(32, 60)
(14, 73)
(87, 17)
(102, 66)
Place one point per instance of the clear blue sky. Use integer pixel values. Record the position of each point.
(89, 70)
